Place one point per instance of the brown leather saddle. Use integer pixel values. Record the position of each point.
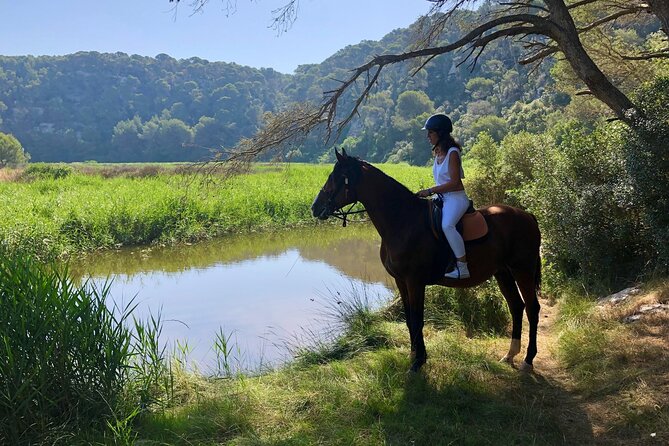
(472, 226)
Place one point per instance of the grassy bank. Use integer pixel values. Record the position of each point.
(597, 381)
(52, 212)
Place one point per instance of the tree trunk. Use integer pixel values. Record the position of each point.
(660, 8)
(565, 35)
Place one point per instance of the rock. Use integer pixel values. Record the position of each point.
(620, 296)
(646, 309)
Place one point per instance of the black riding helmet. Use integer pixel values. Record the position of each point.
(440, 123)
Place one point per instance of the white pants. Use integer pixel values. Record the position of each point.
(455, 206)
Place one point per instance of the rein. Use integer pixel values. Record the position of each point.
(343, 214)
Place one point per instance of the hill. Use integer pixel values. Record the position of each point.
(123, 108)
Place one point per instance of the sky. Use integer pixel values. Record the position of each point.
(245, 36)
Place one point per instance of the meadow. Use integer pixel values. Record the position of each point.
(53, 211)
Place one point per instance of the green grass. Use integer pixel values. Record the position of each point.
(51, 215)
(606, 389)
(66, 359)
(464, 396)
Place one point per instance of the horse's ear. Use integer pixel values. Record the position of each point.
(343, 152)
(339, 156)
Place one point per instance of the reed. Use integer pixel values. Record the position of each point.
(68, 362)
(353, 324)
(64, 354)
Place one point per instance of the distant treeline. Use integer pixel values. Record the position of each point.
(119, 107)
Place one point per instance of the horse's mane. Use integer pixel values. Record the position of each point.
(398, 188)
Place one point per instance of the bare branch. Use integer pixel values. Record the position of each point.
(281, 130)
(647, 56)
(285, 16)
(539, 56)
(610, 18)
(474, 38)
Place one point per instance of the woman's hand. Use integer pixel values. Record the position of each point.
(424, 193)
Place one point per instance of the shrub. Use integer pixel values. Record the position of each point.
(646, 152)
(46, 171)
(11, 151)
(584, 203)
(481, 309)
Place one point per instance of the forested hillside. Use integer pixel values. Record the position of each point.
(119, 107)
(115, 107)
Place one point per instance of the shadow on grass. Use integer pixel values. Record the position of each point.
(519, 409)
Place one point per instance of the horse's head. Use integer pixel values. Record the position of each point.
(340, 187)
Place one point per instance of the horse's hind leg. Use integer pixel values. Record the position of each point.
(527, 284)
(507, 285)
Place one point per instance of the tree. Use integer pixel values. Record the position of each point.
(11, 151)
(545, 27)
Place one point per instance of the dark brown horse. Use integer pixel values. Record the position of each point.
(413, 257)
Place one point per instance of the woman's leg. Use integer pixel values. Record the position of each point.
(455, 205)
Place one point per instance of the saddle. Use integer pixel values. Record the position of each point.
(472, 226)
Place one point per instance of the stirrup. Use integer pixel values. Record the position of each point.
(458, 273)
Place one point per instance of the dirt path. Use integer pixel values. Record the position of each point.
(597, 418)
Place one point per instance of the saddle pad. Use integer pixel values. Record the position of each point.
(474, 226)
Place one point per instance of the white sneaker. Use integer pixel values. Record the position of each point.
(459, 272)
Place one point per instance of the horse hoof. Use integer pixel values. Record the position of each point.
(526, 368)
(416, 365)
(508, 359)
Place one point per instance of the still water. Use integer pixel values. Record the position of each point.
(265, 291)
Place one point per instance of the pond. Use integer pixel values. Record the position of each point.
(264, 292)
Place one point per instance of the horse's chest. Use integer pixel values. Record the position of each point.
(401, 261)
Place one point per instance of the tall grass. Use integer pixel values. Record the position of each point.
(64, 354)
(68, 363)
(354, 325)
(54, 214)
(480, 310)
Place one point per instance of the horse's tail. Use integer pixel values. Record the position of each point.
(537, 274)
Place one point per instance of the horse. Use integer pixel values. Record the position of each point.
(411, 255)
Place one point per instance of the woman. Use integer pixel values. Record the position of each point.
(448, 175)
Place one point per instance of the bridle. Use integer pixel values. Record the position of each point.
(340, 213)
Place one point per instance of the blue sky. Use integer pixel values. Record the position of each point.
(149, 27)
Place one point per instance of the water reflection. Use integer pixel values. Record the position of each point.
(262, 288)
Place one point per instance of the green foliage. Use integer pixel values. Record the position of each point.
(584, 202)
(495, 126)
(485, 187)
(11, 151)
(501, 169)
(480, 87)
(43, 171)
(64, 353)
(647, 156)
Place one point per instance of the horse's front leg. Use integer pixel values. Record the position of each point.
(404, 294)
(416, 304)
(413, 301)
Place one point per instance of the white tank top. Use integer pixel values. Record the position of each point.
(440, 171)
